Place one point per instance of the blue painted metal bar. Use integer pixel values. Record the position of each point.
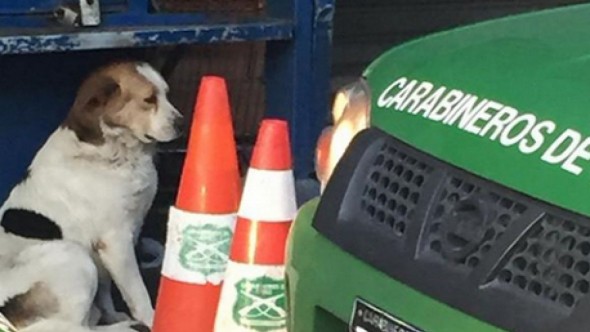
(68, 40)
(44, 24)
(27, 7)
(321, 62)
(297, 74)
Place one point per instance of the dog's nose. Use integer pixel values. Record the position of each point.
(179, 124)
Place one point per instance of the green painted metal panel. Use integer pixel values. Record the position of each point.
(321, 275)
(523, 85)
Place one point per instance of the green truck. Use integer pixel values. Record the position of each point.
(457, 180)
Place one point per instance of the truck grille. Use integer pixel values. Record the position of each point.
(550, 261)
(443, 242)
(494, 253)
(393, 190)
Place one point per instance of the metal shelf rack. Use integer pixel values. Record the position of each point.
(35, 48)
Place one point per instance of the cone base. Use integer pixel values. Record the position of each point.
(253, 288)
(186, 307)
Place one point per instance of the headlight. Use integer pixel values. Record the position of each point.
(351, 114)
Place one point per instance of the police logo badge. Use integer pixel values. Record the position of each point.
(261, 304)
(204, 248)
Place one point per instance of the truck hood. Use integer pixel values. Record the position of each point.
(508, 100)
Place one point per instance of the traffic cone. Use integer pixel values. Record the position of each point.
(253, 295)
(201, 225)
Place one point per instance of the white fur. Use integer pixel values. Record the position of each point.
(99, 196)
(161, 125)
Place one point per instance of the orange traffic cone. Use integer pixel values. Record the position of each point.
(253, 295)
(200, 226)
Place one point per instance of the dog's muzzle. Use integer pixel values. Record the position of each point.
(179, 125)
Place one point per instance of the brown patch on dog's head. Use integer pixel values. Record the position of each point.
(119, 96)
(24, 309)
(98, 93)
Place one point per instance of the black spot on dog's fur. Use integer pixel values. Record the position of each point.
(30, 224)
(35, 304)
(140, 328)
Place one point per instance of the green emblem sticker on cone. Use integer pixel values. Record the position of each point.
(253, 296)
(261, 304)
(205, 248)
(202, 220)
(197, 247)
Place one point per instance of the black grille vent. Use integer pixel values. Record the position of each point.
(551, 261)
(503, 257)
(393, 188)
(467, 244)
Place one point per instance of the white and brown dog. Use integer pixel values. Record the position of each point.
(70, 226)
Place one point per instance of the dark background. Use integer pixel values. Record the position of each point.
(363, 29)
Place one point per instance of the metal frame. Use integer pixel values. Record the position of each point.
(297, 32)
(298, 74)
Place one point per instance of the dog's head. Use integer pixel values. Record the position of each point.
(124, 99)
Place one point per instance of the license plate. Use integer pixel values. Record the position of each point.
(368, 318)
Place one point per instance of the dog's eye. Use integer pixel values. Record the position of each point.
(151, 99)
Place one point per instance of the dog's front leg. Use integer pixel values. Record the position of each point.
(118, 257)
(105, 303)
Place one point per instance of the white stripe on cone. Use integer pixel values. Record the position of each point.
(5, 325)
(197, 246)
(253, 298)
(268, 196)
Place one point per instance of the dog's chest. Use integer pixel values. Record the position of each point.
(85, 197)
(87, 191)
(126, 190)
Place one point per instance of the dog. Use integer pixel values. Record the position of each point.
(68, 229)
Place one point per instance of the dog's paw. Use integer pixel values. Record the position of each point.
(145, 316)
(140, 327)
(129, 326)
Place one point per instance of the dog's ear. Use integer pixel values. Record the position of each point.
(90, 104)
(102, 89)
